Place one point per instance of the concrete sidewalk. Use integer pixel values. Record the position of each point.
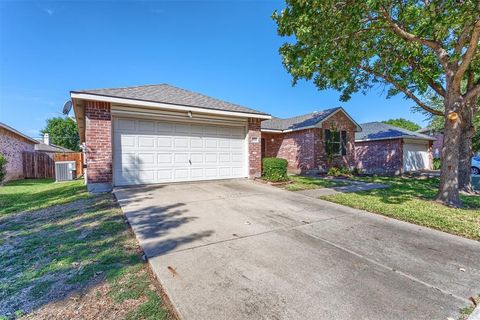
(241, 250)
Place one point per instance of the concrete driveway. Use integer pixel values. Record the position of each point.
(243, 250)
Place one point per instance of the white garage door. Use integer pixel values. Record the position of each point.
(147, 151)
(415, 157)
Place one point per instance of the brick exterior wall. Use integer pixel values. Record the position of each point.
(297, 147)
(11, 146)
(305, 149)
(380, 156)
(98, 139)
(254, 148)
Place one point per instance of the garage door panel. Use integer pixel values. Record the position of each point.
(146, 142)
(415, 157)
(126, 124)
(149, 151)
(181, 143)
(164, 158)
(181, 174)
(196, 158)
(196, 143)
(146, 126)
(164, 142)
(165, 127)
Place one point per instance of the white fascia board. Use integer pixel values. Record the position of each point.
(160, 105)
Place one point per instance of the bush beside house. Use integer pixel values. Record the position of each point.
(274, 169)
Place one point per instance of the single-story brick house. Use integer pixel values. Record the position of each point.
(312, 142)
(12, 144)
(160, 133)
(384, 149)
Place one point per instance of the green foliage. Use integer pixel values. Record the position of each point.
(274, 169)
(3, 168)
(403, 123)
(437, 164)
(307, 183)
(350, 46)
(412, 200)
(63, 132)
(339, 171)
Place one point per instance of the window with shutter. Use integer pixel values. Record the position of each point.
(333, 143)
(344, 143)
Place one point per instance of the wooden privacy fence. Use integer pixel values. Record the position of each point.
(71, 156)
(38, 165)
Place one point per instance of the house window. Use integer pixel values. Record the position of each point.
(336, 142)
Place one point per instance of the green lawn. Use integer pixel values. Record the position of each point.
(305, 183)
(411, 199)
(33, 194)
(83, 249)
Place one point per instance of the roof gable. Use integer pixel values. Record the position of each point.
(18, 133)
(304, 121)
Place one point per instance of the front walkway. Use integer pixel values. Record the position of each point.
(243, 250)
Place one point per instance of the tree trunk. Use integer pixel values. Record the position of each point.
(448, 190)
(464, 166)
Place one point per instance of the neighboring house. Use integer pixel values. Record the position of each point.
(437, 144)
(12, 144)
(160, 133)
(50, 148)
(384, 149)
(312, 142)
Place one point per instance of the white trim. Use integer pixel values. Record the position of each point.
(160, 105)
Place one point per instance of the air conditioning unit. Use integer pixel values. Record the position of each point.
(65, 170)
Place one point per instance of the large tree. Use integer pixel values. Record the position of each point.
(63, 132)
(413, 47)
(403, 123)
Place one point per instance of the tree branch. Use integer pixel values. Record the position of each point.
(434, 45)
(474, 92)
(468, 55)
(406, 91)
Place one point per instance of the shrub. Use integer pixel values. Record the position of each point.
(274, 169)
(437, 164)
(339, 171)
(3, 167)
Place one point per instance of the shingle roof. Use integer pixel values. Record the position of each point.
(6, 127)
(298, 122)
(382, 131)
(165, 93)
(50, 148)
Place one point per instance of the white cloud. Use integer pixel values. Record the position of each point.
(49, 11)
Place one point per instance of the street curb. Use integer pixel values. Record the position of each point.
(475, 315)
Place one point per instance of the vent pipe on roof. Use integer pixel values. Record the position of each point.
(46, 139)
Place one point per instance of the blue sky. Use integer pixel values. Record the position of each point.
(225, 49)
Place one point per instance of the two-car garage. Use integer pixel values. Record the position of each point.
(151, 151)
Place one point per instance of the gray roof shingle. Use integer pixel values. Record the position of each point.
(298, 122)
(165, 93)
(382, 131)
